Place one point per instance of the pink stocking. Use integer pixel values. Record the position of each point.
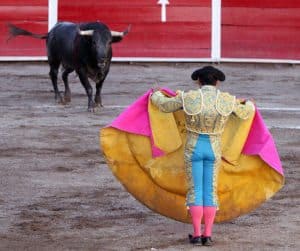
(209, 216)
(196, 213)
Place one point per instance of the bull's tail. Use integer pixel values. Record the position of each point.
(16, 31)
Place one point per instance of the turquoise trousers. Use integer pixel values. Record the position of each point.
(202, 159)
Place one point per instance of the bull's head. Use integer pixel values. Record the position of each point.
(101, 41)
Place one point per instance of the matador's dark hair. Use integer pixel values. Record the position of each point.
(208, 75)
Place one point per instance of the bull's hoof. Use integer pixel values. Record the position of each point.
(97, 104)
(91, 108)
(97, 109)
(67, 99)
(60, 101)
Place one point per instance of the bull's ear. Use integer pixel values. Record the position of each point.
(86, 32)
(117, 36)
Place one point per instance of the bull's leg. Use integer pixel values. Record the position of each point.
(88, 88)
(67, 96)
(53, 75)
(98, 99)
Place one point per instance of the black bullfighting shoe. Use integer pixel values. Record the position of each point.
(206, 241)
(197, 240)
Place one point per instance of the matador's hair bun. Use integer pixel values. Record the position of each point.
(208, 75)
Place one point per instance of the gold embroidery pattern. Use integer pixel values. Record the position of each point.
(166, 104)
(243, 111)
(225, 103)
(206, 121)
(189, 148)
(192, 102)
(215, 109)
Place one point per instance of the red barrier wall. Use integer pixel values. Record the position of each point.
(265, 29)
(31, 15)
(186, 32)
(261, 29)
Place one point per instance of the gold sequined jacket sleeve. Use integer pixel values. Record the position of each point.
(167, 104)
(243, 111)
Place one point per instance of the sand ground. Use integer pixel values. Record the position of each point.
(57, 193)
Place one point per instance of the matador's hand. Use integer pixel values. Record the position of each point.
(156, 89)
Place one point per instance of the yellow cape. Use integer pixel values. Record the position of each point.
(160, 183)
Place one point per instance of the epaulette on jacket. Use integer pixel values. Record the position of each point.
(225, 103)
(192, 102)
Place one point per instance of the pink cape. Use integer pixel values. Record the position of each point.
(260, 142)
(135, 119)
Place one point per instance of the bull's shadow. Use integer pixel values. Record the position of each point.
(84, 48)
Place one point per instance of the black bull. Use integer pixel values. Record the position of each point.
(85, 48)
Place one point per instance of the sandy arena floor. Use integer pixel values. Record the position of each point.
(57, 193)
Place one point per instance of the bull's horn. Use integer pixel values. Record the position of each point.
(117, 33)
(120, 34)
(86, 33)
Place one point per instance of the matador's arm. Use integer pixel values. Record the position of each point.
(167, 104)
(243, 109)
